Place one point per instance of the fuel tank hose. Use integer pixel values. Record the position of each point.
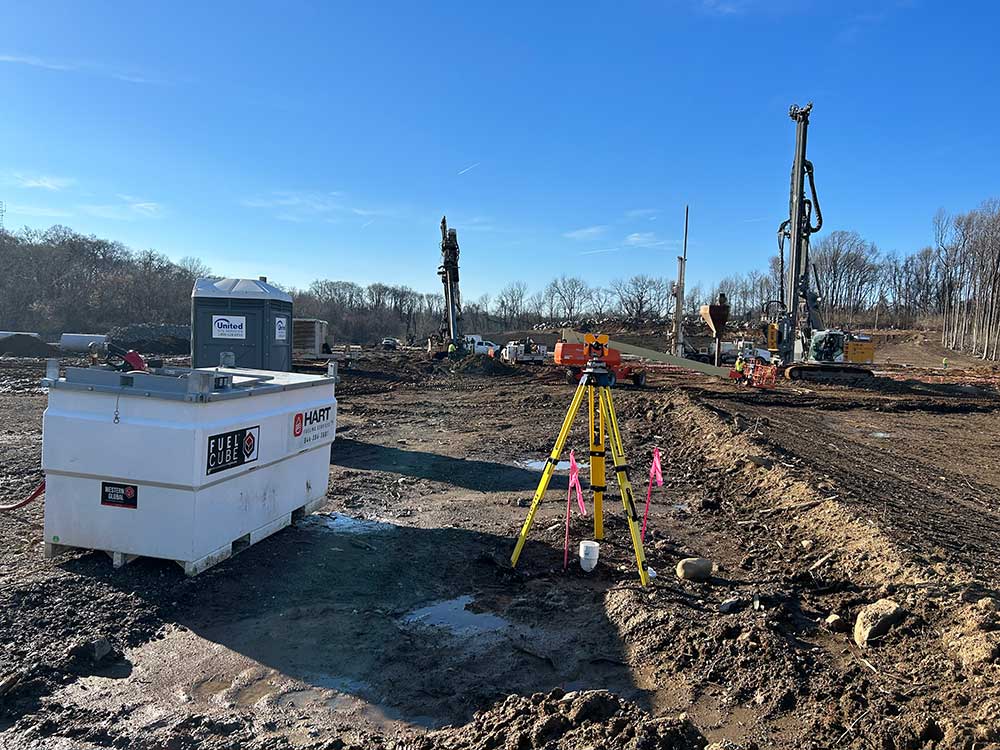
(35, 494)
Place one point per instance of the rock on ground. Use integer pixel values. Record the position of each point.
(836, 623)
(875, 620)
(694, 569)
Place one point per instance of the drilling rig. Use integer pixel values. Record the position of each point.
(795, 333)
(450, 330)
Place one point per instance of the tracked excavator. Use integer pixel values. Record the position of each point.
(796, 336)
(451, 319)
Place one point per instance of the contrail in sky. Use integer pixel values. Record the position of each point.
(468, 168)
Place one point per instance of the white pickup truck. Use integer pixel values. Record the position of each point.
(476, 344)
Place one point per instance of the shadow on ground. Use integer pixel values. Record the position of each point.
(471, 474)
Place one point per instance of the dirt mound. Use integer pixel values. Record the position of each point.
(149, 338)
(566, 721)
(23, 345)
(480, 364)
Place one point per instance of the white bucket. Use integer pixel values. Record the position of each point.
(589, 552)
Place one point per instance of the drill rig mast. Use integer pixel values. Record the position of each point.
(796, 335)
(801, 303)
(450, 331)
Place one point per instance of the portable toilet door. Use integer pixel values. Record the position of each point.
(280, 328)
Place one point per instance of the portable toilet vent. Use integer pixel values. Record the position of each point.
(248, 317)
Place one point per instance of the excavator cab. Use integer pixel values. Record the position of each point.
(827, 346)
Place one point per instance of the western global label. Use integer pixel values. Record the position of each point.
(119, 495)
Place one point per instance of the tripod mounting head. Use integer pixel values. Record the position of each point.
(596, 347)
(596, 371)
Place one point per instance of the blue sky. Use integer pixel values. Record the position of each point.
(325, 140)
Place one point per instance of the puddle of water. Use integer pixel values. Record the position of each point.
(347, 525)
(380, 716)
(350, 698)
(254, 692)
(880, 435)
(320, 693)
(539, 464)
(340, 684)
(207, 688)
(453, 615)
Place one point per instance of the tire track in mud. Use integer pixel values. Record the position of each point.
(920, 688)
(936, 512)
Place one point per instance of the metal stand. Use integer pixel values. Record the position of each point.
(595, 385)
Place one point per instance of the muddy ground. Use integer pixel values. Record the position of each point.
(393, 620)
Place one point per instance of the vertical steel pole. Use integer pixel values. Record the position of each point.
(679, 300)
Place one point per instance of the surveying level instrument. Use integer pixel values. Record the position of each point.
(595, 385)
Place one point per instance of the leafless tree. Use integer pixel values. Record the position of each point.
(641, 296)
(571, 293)
(599, 301)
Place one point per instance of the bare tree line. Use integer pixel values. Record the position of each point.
(58, 280)
(366, 313)
(952, 285)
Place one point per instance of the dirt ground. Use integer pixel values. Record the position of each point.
(392, 619)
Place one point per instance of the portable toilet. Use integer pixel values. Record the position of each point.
(248, 317)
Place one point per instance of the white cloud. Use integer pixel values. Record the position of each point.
(301, 201)
(586, 233)
(37, 62)
(643, 213)
(77, 66)
(44, 182)
(723, 7)
(129, 209)
(646, 239)
(147, 208)
(641, 239)
(309, 205)
(16, 209)
(366, 212)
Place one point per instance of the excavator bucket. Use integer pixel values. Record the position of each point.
(716, 316)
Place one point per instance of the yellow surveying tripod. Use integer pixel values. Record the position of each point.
(596, 386)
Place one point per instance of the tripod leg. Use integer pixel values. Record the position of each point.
(598, 478)
(624, 485)
(550, 468)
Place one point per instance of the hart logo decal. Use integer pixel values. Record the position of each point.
(228, 450)
(311, 427)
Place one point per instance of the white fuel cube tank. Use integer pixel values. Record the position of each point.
(187, 465)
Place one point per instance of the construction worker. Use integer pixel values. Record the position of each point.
(452, 350)
(944, 362)
(739, 367)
